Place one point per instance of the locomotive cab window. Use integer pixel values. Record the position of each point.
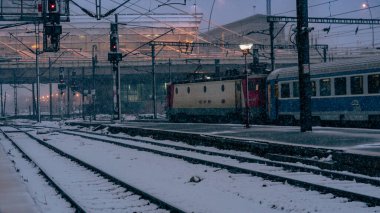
(325, 87)
(204, 89)
(285, 90)
(188, 89)
(176, 90)
(356, 85)
(222, 88)
(296, 92)
(374, 84)
(340, 86)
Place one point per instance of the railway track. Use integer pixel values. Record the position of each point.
(353, 187)
(251, 159)
(85, 187)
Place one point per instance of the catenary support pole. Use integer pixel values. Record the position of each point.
(34, 100)
(37, 29)
(271, 34)
(82, 92)
(247, 91)
(15, 89)
(50, 92)
(94, 61)
(154, 97)
(68, 94)
(304, 65)
(2, 103)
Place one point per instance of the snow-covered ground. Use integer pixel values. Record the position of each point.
(176, 181)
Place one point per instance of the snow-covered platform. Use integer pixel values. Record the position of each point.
(352, 140)
(14, 196)
(359, 149)
(347, 139)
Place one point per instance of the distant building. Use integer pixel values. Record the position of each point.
(253, 29)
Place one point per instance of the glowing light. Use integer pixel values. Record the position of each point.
(364, 5)
(245, 46)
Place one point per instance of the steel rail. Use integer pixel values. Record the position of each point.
(160, 203)
(370, 200)
(65, 196)
(330, 174)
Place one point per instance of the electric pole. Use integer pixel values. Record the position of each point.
(154, 95)
(114, 56)
(304, 65)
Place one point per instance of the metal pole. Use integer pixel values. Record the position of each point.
(15, 88)
(116, 77)
(94, 60)
(304, 65)
(34, 100)
(118, 95)
(373, 30)
(37, 26)
(2, 104)
(269, 8)
(247, 90)
(154, 81)
(83, 93)
(68, 94)
(118, 92)
(61, 103)
(50, 92)
(271, 33)
(170, 72)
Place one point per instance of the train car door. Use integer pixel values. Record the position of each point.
(238, 97)
(269, 95)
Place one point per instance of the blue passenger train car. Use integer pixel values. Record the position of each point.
(342, 92)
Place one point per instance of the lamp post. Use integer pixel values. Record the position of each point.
(245, 49)
(366, 5)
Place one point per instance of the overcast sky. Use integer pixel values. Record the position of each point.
(226, 11)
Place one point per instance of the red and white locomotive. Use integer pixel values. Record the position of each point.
(223, 99)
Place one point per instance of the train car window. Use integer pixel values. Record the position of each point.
(340, 86)
(188, 89)
(374, 84)
(356, 85)
(176, 90)
(222, 88)
(313, 88)
(285, 90)
(296, 92)
(251, 86)
(204, 89)
(325, 87)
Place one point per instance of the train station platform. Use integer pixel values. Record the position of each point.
(349, 149)
(347, 139)
(14, 196)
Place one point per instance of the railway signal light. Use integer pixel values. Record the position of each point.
(52, 6)
(113, 43)
(114, 55)
(61, 78)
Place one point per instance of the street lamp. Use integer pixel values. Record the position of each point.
(245, 49)
(366, 6)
